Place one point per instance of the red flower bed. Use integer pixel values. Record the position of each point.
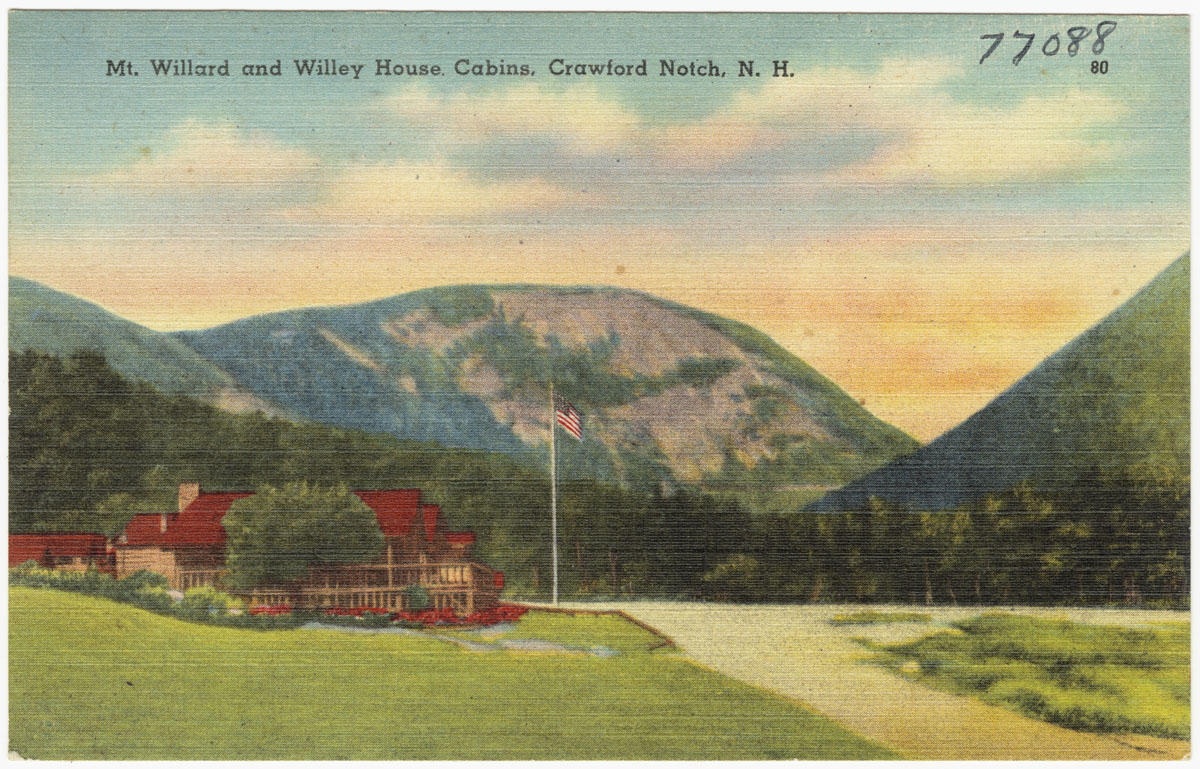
(504, 612)
(500, 613)
(360, 611)
(430, 617)
(273, 611)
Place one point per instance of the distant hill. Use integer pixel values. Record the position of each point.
(1116, 398)
(40, 318)
(668, 392)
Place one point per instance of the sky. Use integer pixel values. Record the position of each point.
(920, 227)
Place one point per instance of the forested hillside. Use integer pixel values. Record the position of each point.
(1113, 402)
(88, 448)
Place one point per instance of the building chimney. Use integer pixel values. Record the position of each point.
(162, 522)
(187, 495)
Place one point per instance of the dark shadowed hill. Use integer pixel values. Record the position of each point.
(1116, 398)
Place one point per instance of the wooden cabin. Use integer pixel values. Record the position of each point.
(67, 551)
(188, 547)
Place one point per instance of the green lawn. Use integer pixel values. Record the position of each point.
(572, 630)
(89, 678)
(1087, 677)
(880, 618)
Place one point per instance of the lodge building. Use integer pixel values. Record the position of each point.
(67, 551)
(188, 548)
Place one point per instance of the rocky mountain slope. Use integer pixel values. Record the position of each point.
(667, 392)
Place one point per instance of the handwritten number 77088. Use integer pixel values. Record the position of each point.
(1052, 44)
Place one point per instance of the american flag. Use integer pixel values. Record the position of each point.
(570, 419)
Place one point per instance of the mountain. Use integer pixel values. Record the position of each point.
(40, 318)
(1115, 399)
(43, 319)
(668, 392)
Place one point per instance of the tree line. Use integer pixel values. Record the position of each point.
(89, 448)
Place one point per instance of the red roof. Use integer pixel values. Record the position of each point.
(460, 537)
(430, 513)
(396, 510)
(34, 547)
(145, 529)
(199, 525)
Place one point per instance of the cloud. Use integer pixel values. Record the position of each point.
(243, 177)
(206, 158)
(405, 192)
(923, 134)
(579, 116)
(1040, 138)
(919, 132)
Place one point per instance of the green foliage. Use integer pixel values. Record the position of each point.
(880, 618)
(737, 578)
(1087, 677)
(44, 319)
(278, 533)
(416, 598)
(88, 449)
(156, 599)
(1113, 401)
(1120, 539)
(454, 305)
(74, 426)
(147, 590)
(142, 588)
(143, 579)
(199, 603)
(702, 372)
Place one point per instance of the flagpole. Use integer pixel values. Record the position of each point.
(553, 495)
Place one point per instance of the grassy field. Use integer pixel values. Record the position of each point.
(1086, 677)
(573, 630)
(880, 618)
(89, 678)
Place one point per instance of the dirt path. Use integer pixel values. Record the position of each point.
(795, 652)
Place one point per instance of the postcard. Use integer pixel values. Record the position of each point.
(515, 386)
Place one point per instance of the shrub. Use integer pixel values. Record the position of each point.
(143, 579)
(702, 372)
(202, 602)
(416, 598)
(453, 305)
(737, 578)
(155, 599)
(1087, 677)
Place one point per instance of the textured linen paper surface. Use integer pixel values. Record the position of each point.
(394, 385)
